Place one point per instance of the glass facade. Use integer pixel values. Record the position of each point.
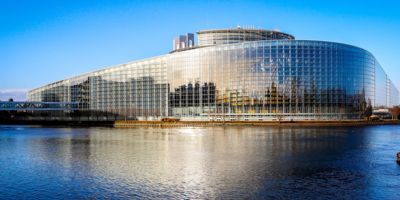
(251, 80)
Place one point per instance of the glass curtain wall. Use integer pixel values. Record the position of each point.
(272, 79)
(259, 80)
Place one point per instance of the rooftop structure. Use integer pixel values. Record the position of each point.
(237, 35)
(183, 41)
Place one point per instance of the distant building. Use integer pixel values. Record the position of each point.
(382, 113)
(235, 74)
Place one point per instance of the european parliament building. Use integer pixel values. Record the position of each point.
(234, 74)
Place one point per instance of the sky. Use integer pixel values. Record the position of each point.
(42, 41)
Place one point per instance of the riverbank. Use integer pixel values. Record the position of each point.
(129, 124)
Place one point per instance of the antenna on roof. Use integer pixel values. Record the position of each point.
(277, 30)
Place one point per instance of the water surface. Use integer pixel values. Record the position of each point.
(199, 163)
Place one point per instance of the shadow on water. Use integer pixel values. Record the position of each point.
(217, 162)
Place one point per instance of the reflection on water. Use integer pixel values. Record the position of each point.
(187, 163)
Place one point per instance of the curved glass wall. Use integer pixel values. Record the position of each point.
(260, 80)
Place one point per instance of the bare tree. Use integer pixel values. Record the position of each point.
(368, 110)
(395, 111)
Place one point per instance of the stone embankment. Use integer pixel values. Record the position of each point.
(129, 124)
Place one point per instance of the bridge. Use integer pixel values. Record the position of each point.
(37, 106)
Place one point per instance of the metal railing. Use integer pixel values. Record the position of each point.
(37, 106)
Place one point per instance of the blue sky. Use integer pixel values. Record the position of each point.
(44, 41)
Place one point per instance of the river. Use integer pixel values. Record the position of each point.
(199, 163)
